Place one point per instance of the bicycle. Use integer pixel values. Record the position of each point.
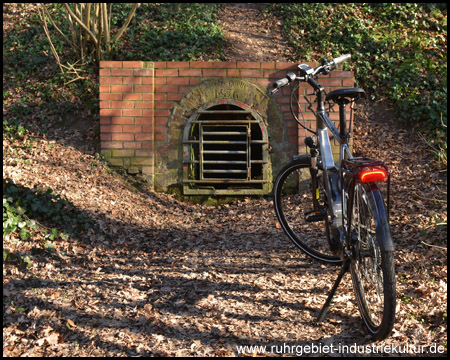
(335, 212)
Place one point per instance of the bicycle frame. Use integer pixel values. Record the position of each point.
(332, 174)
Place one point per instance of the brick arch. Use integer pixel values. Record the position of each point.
(210, 92)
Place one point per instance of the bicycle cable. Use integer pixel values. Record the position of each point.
(293, 94)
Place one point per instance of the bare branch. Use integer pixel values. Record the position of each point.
(124, 27)
(94, 39)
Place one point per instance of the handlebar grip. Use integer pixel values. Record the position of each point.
(280, 83)
(341, 58)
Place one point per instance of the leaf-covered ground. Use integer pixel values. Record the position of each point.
(156, 276)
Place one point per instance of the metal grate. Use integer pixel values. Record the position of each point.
(227, 153)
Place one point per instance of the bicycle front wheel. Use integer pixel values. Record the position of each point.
(293, 201)
(372, 266)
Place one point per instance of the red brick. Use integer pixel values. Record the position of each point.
(131, 128)
(177, 81)
(160, 64)
(143, 105)
(201, 64)
(104, 72)
(160, 73)
(190, 72)
(224, 65)
(348, 82)
(122, 89)
(251, 73)
(163, 105)
(166, 89)
(132, 64)
(132, 96)
(144, 72)
(124, 137)
(177, 64)
(110, 96)
(111, 64)
(132, 145)
(110, 112)
(111, 145)
(285, 66)
(110, 128)
(148, 113)
(121, 72)
(344, 74)
(330, 82)
(104, 89)
(219, 72)
(162, 113)
(132, 112)
(149, 80)
(144, 121)
(110, 80)
(143, 137)
(132, 80)
(248, 65)
(184, 89)
(105, 120)
(105, 105)
(147, 129)
(143, 88)
(121, 105)
(174, 97)
(233, 72)
(268, 65)
(150, 97)
(119, 120)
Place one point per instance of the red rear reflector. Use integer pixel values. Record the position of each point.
(373, 175)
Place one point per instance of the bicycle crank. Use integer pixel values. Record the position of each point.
(315, 215)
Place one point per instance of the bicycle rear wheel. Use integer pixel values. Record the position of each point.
(372, 266)
(293, 201)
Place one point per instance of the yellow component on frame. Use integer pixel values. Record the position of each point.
(317, 193)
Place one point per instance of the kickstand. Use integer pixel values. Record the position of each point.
(323, 311)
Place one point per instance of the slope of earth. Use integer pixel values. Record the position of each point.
(156, 276)
(251, 36)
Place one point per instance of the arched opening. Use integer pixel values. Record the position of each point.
(225, 151)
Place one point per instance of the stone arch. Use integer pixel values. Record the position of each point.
(169, 155)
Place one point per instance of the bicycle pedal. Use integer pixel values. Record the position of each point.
(315, 215)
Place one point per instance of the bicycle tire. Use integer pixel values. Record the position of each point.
(292, 200)
(372, 266)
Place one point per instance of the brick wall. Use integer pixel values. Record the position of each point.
(137, 99)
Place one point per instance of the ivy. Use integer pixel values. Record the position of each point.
(29, 212)
(398, 50)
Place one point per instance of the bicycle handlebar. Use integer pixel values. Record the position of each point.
(341, 58)
(325, 68)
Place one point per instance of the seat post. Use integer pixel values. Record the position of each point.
(343, 135)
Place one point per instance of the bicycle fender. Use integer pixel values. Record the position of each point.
(383, 232)
(304, 159)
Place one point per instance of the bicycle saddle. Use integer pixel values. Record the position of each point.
(340, 94)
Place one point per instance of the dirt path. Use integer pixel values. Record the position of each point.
(252, 37)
